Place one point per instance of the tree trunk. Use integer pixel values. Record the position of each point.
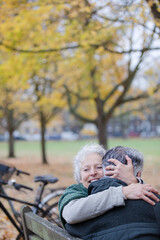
(10, 128)
(102, 132)
(43, 146)
(101, 123)
(11, 145)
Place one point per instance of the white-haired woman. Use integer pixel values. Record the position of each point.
(76, 205)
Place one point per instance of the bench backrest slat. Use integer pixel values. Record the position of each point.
(37, 228)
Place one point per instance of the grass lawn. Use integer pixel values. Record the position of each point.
(149, 147)
(60, 156)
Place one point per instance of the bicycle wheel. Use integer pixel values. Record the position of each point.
(50, 205)
(20, 237)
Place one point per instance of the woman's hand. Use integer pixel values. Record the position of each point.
(141, 191)
(121, 171)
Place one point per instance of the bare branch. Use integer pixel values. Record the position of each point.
(38, 51)
(73, 109)
(75, 94)
(141, 96)
(131, 50)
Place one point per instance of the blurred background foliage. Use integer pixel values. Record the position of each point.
(89, 60)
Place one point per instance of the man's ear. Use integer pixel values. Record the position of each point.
(139, 174)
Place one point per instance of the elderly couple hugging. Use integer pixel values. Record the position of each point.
(110, 200)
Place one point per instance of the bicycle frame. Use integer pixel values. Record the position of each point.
(15, 221)
(38, 205)
(34, 205)
(4, 196)
(11, 218)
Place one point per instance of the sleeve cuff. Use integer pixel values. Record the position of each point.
(139, 180)
(124, 198)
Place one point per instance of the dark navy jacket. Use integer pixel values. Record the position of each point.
(136, 220)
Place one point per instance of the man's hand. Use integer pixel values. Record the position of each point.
(141, 191)
(121, 171)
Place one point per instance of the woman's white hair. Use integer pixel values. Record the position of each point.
(82, 154)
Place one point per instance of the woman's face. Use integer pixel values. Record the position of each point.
(91, 169)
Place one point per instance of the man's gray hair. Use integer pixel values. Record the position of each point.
(120, 153)
(82, 155)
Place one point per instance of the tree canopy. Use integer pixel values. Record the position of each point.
(86, 54)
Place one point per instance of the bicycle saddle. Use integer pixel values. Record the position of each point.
(45, 179)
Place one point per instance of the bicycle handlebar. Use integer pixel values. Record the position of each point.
(18, 186)
(3, 182)
(18, 172)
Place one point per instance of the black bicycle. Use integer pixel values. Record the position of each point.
(45, 201)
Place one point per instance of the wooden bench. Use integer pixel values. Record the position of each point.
(37, 228)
